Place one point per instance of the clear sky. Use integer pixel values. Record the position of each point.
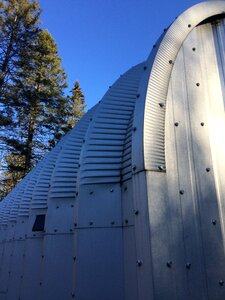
(100, 39)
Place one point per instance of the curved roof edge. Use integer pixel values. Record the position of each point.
(160, 70)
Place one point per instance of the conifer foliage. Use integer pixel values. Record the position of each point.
(34, 111)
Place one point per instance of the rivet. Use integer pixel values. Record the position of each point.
(112, 223)
(76, 193)
(221, 282)
(55, 230)
(21, 222)
(72, 205)
(40, 283)
(169, 264)
(202, 123)
(134, 168)
(73, 295)
(161, 105)
(193, 49)
(125, 189)
(145, 68)
(153, 46)
(134, 128)
(126, 221)
(161, 168)
(21, 276)
(34, 234)
(189, 25)
(139, 262)
(83, 140)
(214, 222)
(74, 258)
(188, 265)
(91, 192)
(138, 95)
(136, 212)
(91, 119)
(207, 169)
(57, 207)
(71, 230)
(181, 192)
(42, 256)
(75, 224)
(198, 84)
(170, 62)
(90, 223)
(176, 124)
(112, 190)
(110, 87)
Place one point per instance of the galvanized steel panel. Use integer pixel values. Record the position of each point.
(134, 195)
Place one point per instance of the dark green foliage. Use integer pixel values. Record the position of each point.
(76, 105)
(34, 113)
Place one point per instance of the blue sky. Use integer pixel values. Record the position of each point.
(100, 39)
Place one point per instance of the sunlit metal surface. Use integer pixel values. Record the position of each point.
(133, 197)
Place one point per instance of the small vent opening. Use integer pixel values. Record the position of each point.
(39, 223)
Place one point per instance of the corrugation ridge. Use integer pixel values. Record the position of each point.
(68, 153)
(160, 74)
(97, 156)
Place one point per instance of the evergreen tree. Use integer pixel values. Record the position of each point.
(18, 27)
(76, 105)
(34, 113)
(37, 97)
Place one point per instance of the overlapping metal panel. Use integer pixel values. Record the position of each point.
(134, 195)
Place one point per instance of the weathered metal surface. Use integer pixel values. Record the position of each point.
(134, 195)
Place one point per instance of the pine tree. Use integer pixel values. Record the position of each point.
(76, 105)
(18, 27)
(34, 112)
(37, 95)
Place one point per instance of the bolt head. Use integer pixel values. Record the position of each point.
(221, 282)
(161, 168)
(214, 222)
(207, 169)
(139, 263)
(169, 264)
(176, 124)
(188, 265)
(181, 192)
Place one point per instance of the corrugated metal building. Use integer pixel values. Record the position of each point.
(130, 204)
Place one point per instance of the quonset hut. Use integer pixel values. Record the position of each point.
(130, 204)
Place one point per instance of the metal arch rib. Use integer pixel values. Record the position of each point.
(161, 68)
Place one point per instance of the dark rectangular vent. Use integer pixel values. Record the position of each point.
(39, 223)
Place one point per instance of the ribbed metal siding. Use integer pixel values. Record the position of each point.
(64, 176)
(154, 120)
(104, 148)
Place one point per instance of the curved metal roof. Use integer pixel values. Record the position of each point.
(135, 188)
